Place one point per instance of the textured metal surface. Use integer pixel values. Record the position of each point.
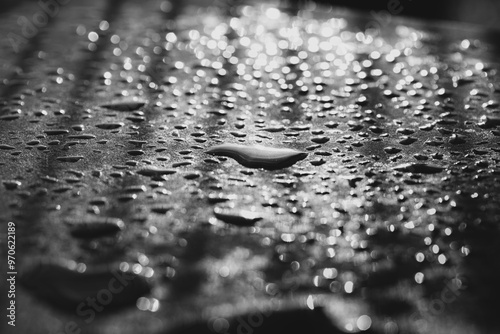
(132, 136)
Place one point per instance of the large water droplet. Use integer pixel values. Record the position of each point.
(257, 156)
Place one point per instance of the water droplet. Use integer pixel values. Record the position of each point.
(75, 158)
(237, 217)
(124, 105)
(109, 126)
(6, 147)
(11, 184)
(155, 171)
(56, 132)
(257, 156)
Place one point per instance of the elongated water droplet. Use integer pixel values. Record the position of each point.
(257, 156)
(237, 217)
(155, 171)
(109, 126)
(70, 158)
(56, 132)
(124, 105)
(6, 147)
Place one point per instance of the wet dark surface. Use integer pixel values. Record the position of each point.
(249, 167)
